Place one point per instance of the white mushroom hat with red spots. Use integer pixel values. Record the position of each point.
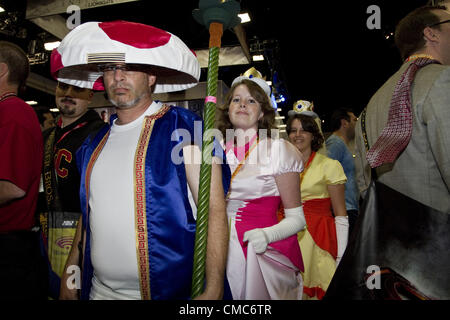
(76, 59)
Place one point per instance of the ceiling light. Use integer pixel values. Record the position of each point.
(2, 10)
(49, 46)
(279, 117)
(32, 103)
(244, 17)
(54, 110)
(258, 57)
(269, 83)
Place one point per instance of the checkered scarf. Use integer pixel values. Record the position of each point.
(397, 133)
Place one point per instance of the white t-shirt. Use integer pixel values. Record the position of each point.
(112, 219)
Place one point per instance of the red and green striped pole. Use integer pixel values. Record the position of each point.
(215, 15)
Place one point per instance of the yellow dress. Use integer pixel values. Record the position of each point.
(318, 241)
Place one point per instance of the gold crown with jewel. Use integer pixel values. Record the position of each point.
(253, 73)
(303, 107)
(255, 76)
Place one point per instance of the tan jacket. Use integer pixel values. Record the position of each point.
(422, 170)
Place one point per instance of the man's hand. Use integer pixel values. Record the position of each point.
(68, 290)
(66, 293)
(211, 295)
(9, 192)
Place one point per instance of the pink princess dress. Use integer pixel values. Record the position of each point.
(252, 202)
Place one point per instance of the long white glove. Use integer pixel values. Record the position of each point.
(341, 223)
(293, 222)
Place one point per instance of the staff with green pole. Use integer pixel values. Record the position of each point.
(215, 15)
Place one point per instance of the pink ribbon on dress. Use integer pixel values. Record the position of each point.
(262, 213)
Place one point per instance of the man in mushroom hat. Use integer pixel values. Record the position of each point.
(138, 195)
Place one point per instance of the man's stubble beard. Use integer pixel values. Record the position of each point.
(126, 105)
(67, 110)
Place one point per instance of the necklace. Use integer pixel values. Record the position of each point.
(238, 168)
(417, 56)
(7, 95)
(311, 157)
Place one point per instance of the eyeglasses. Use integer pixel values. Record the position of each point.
(438, 23)
(113, 67)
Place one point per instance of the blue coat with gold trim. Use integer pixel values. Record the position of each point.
(170, 222)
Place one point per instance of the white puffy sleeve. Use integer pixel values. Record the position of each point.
(285, 157)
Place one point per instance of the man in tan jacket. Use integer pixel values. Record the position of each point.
(422, 169)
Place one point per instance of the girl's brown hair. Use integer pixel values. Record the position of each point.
(309, 125)
(267, 121)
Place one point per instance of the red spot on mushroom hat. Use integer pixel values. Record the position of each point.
(76, 59)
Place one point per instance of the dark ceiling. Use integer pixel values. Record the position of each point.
(321, 51)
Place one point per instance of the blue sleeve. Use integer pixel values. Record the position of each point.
(194, 124)
(335, 151)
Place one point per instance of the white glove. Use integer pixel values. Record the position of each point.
(293, 222)
(341, 223)
(258, 239)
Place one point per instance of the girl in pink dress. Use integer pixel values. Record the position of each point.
(264, 259)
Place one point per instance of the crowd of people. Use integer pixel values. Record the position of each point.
(99, 210)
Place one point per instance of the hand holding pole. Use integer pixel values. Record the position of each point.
(215, 15)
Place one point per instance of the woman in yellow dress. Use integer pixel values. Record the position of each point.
(323, 196)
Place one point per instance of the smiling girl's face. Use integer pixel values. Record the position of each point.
(244, 110)
(300, 138)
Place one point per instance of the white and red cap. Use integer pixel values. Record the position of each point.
(259, 81)
(76, 59)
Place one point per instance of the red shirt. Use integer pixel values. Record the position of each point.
(21, 152)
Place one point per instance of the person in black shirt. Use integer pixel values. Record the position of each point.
(60, 177)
